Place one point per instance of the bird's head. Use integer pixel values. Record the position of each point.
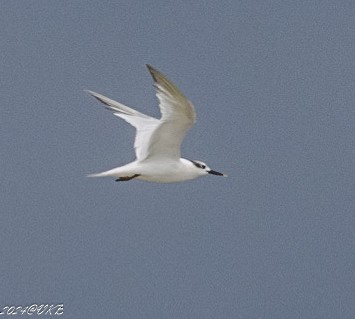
(204, 169)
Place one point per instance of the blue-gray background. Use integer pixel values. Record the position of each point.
(273, 83)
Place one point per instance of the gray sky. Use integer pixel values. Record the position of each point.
(273, 87)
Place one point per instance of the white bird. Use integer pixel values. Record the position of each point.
(157, 143)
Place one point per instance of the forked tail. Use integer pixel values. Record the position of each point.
(102, 174)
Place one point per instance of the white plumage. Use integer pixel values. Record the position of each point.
(157, 143)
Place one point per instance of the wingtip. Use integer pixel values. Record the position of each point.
(89, 92)
(149, 67)
(153, 72)
(99, 97)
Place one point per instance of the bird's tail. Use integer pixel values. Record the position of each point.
(102, 174)
(116, 172)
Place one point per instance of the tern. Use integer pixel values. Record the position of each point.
(157, 142)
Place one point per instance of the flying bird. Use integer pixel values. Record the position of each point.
(157, 142)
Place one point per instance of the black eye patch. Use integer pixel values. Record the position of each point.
(199, 165)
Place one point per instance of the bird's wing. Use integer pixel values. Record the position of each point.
(178, 115)
(144, 124)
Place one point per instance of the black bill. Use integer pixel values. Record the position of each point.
(215, 173)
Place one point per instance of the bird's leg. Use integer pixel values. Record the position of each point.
(126, 178)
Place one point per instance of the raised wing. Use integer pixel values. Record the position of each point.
(178, 115)
(157, 138)
(144, 124)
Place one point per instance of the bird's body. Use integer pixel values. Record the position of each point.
(158, 142)
(165, 171)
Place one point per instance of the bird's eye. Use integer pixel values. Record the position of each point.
(198, 164)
